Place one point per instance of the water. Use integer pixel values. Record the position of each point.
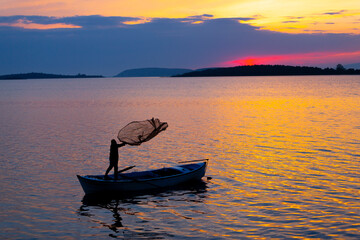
(284, 157)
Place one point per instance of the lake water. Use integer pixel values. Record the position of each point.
(284, 157)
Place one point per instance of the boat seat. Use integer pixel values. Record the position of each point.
(139, 175)
(167, 171)
(183, 170)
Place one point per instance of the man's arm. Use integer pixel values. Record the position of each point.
(121, 145)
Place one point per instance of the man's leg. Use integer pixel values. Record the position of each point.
(109, 169)
(116, 171)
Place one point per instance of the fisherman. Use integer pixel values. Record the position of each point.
(114, 158)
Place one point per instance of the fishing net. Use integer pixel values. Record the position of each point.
(138, 132)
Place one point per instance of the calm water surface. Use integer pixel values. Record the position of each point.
(284, 157)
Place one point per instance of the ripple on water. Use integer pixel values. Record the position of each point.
(284, 158)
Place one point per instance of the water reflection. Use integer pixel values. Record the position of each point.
(112, 205)
(284, 157)
(143, 208)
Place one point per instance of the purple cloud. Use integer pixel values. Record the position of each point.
(335, 13)
(106, 45)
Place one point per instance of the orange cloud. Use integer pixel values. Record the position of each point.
(324, 16)
(315, 58)
(27, 24)
(139, 21)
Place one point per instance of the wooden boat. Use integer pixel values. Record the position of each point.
(145, 180)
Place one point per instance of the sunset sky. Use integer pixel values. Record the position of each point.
(108, 36)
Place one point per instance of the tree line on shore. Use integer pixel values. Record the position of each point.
(44, 75)
(254, 70)
(270, 70)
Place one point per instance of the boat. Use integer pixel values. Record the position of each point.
(144, 180)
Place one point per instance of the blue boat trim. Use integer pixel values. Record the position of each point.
(183, 173)
(92, 177)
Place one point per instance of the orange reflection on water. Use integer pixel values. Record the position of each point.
(287, 160)
(284, 156)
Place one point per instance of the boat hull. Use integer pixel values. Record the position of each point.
(185, 173)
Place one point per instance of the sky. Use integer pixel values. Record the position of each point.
(108, 36)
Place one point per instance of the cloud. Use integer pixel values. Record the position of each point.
(97, 21)
(335, 13)
(203, 16)
(290, 21)
(108, 45)
(88, 22)
(28, 24)
(269, 15)
(291, 17)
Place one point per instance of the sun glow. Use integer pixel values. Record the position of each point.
(250, 61)
(315, 58)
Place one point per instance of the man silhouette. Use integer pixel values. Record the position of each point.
(114, 158)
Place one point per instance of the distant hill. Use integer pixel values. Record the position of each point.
(44, 75)
(153, 72)
(269, 70)
(354, 65)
